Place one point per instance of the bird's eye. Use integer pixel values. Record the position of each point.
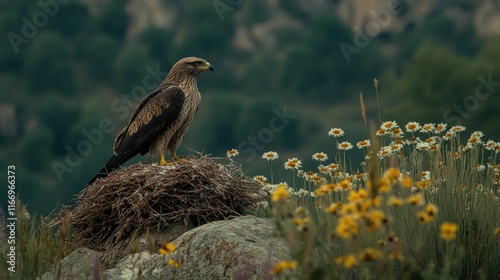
(199, 63)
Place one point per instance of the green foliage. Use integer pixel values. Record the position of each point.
(57, 114)
(35, 148)
(129, 67)
(37, 248)
(259, 119)
(257, 12)
(293, 8)
(299, 57)
(48, 64)
(222, 122)
(435, 69)
(441, 30)
(69, 19)
(264, 79)
(448, 82)
(100, 53)
(316, 67)
(9, 60)
(115, 20)
(488, 57)
(159, 43)
(207, 36)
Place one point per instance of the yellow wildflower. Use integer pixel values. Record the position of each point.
(345, 185)
(384, 185)
(416, 199)
(407, 182)
(448, 231)
(174, 263)
(319, 191)
(347, 227)
(392, 237)
(301, 210)
(392, 174)
(329, 187)
(350, 261)
(357, 196)
(280, 194)
(423, 217)
(169, 248)
(348, 209)
(396, 255)
(496, 232)
(360, 195)
(333, 208)
(394, 201)
(370, 254)
(339, 260)
(422, 184)
(362, 206)
(301, 223)
(431, 210)
(281, 266)
(375, 219)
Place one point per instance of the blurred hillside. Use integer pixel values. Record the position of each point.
(71, 72)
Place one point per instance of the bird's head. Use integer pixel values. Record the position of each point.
(187, 70)
(192, 65)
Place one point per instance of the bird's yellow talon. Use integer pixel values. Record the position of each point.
(162, 160)
(177, 158)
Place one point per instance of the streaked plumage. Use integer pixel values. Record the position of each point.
(162, 118)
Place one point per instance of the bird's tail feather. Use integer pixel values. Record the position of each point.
(113, 163)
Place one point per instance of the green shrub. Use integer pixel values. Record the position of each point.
(37, 248)
(36, 147)
(48, 64)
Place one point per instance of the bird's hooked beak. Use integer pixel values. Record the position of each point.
(207, 67)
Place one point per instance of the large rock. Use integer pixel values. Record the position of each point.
(241, 248)
(82, 263)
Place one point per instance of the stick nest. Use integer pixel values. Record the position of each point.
(121, 206)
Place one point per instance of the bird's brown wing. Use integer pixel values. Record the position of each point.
(155, 114)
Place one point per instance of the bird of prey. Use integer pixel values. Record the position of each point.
(162, 118)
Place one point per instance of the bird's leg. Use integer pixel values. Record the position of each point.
(162, 159)
(175, 157)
